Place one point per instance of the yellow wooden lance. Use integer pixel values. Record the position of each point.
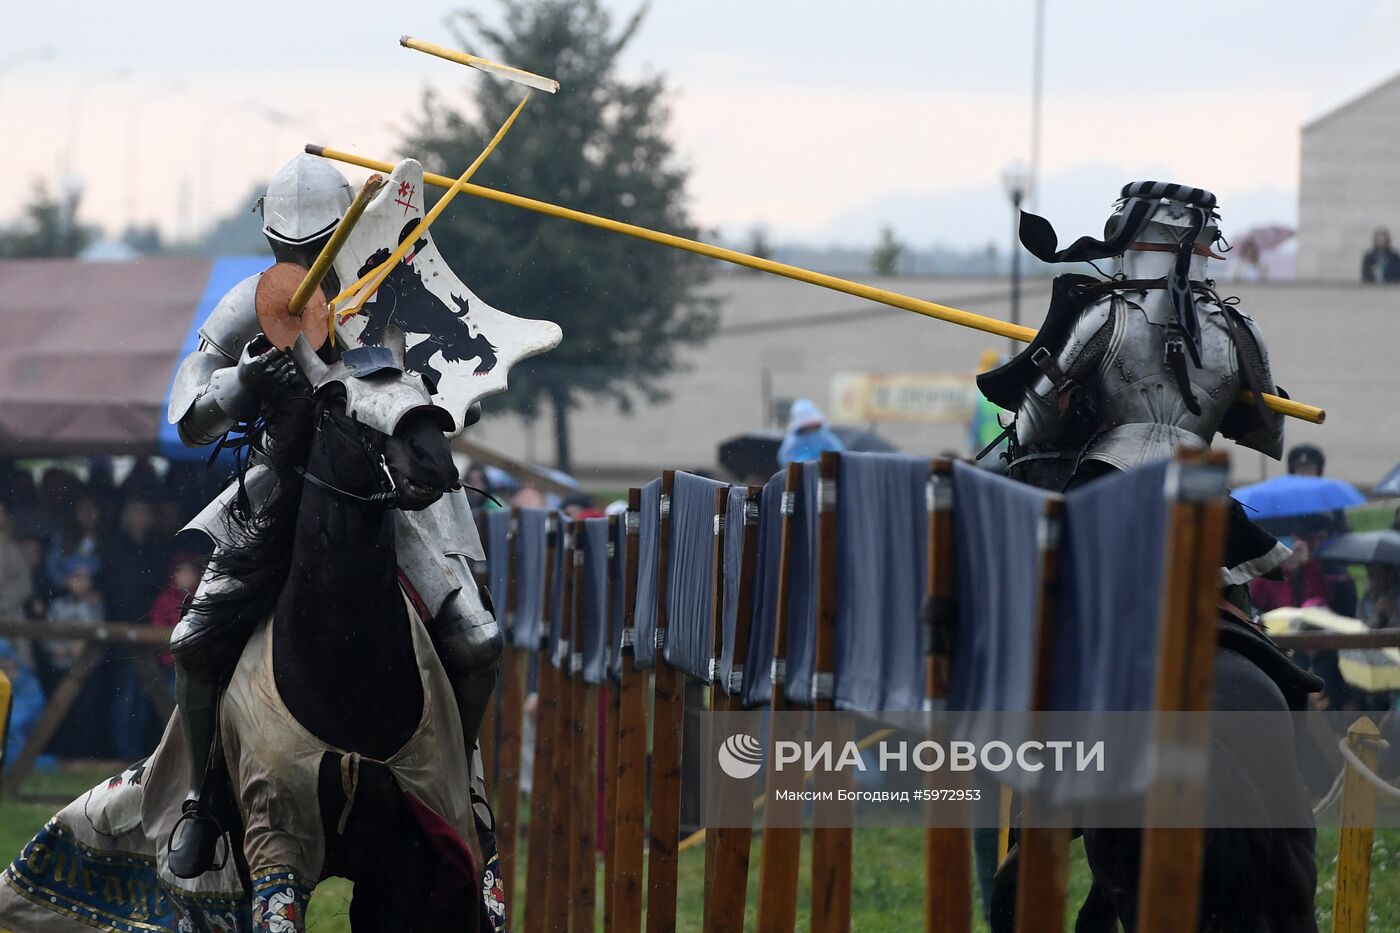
(518, 75)
(931, 309)
(369, 283)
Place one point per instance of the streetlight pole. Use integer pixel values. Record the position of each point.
(133, 137)
(1015, 179)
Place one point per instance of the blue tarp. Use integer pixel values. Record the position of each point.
(498, 564)
(593, 604)
(530, 547)
(733, 551)
(690, 575)
(996, 533)
(648, 556)
(881, 577)
(1109, 608)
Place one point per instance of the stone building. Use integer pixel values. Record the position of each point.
(1349, 183)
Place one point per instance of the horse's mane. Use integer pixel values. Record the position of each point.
(260, 563)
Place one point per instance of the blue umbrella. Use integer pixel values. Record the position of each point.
(1284, 496)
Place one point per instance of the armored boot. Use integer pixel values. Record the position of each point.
(196, 837)
(200, 658)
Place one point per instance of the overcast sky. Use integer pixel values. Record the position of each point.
(818, 119)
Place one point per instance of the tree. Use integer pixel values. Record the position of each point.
(48, 228)
(599, 145)
(884, 259)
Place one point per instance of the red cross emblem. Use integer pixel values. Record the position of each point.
(405, 197)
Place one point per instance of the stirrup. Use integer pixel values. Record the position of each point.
(195, 841)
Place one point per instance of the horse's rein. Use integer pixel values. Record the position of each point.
(386, 497)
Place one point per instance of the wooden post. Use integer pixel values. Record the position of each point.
(584, 870)
(1351, 900)
(717, 694)
(831, 845)
(542, 780)
(782, 845)
(630, 769)
(727, 872)
(668, 722)
(1169, 883)
(512, 700)
(613, 695)
(557, 892)
(947, 850)
(1043, 879)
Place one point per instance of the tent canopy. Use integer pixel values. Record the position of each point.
(90, 349)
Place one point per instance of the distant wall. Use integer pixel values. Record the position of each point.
(1333, 345)
(1349, 184)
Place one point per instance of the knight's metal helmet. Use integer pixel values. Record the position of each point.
(305, 200)
(1164, 214)
(1147, 212)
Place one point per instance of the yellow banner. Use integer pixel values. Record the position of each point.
(925, 397)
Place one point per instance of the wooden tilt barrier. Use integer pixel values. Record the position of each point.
(727, 848)
(559, 893)
(667, 726)
(629, 771)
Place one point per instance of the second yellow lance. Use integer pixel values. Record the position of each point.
(931, 309)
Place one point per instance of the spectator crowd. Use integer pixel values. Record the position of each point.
(78, 547)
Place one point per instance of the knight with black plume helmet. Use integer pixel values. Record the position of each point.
(1140, 363)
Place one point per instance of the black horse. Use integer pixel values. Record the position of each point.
(405, 302)
(1252, 880)
(319, 560)
(344, 749)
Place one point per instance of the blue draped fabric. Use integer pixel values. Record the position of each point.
(881, 577)
(530, 549)
(996, 533)
(758, 687)
(648, 557)
(498, 564)
(555, 633)
(801, 606)
(617, 582)
(593, 605)
(690, 575)
(1112, 566)
(802, 588)
(733, 569)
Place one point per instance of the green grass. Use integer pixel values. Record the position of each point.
(888, 875)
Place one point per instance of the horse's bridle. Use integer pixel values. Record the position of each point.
(388, 494)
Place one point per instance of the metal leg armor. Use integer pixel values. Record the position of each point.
(464, 632)
(203, 658)
(469, 644)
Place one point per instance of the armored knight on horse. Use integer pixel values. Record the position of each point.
(227, 381)
(1126, 370)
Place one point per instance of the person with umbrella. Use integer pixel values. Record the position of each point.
(808, 435)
